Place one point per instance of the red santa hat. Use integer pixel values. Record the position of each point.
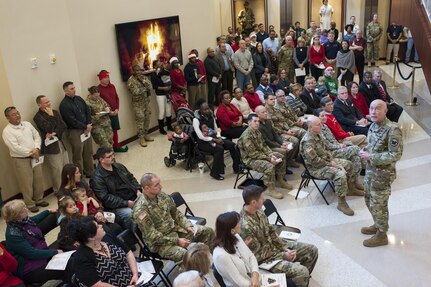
(173, 59)
(327, 67)
(191, 55)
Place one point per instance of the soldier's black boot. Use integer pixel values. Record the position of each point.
(169, 124)
(161, 127)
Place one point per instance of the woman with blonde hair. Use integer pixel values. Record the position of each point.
(198, 257)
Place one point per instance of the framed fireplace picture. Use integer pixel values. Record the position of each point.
(142, 42)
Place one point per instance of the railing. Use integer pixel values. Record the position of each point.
(427, 6)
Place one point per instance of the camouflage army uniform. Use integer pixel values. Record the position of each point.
(257, 155)
(267, 246)
(318, 161)
(141, 91)
(285, 62)
(290, 118)
(374, 32)
(102, 130)
(162, 224)
(385, 144)
(350, 152)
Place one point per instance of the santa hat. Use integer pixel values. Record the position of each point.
(191, 55)
(327, 67)
(103, 74)
(173, 59)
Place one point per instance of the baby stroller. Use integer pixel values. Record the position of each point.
(182, 151)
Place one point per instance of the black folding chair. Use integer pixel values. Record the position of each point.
(145, 251)
(305, 180)
(244, 170)
(279, 224)
(129, 238)
(218, 277)
(179, 201)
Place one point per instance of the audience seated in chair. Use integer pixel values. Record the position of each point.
(8, 265)
(205, 116)
(189, 278)
(229, 117)
(297, 259)
(240, 102)
(394, 110)
(198, 257)
(115, 186)
(358, 99)
(26, 242)
(165, 230)
(252, 97)
(294, 100)
(309, 96)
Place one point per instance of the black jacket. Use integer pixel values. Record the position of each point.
(311, 104)
(49, 124)
(370, 94)
(75, 112)
(103, 185)
(346, 115)
(213, 67)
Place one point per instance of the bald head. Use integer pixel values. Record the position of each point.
(210, 52)
(314, 124)
(378, 110)
(260, 111)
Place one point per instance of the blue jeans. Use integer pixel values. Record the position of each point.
(409, 51)
(242, 80)
(123, 217)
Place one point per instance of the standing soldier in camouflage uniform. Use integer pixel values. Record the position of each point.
(374, 32)
(165, 229)
(385, 147)
(140, 87)
(258, 156)
(322, 164)
(100, 111)
(297, 258)
(347, 151)
(285, 59)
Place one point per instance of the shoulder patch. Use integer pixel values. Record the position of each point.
(143, 216)
(394, 142)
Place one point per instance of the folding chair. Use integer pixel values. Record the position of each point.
(279, 224)
(218, 277)
(146, 252)
(179, 200)
(306, 177)
(244, 170)
(130, 239)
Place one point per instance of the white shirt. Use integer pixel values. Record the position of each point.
(235, 268)
(21, 139)
(242, 106)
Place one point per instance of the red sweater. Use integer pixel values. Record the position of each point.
(335, 128)
(109, 94)
(226, 117)
(201, 70)
(91, 210)
(177, 79)
(8, 264)
(253, 100)
(317, 57)
(360, 103)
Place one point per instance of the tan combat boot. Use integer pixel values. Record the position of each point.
(344, 207)
(353, 191)
(359, 185)
(148, 138)
(369, 230)
(143, 142)
(379, 239)
(273, 193)
(279, 182)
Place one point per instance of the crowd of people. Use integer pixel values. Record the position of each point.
(278, 119)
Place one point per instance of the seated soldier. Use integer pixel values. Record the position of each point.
(293, 121)
(322, 164)
(348, 115)
(258, 156)
(165, 230)
(347, 150)
(273, 140)
(297, 258)
(338, 132)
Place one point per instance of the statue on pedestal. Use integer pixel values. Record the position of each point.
(246, 18)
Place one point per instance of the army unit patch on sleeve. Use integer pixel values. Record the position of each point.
(142, 216)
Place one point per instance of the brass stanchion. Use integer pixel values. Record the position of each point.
(394, 85)
(413, 99)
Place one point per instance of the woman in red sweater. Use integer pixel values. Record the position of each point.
(178, 80)
(8, 264)
(317, 57)
(229, 117)
(358, 99)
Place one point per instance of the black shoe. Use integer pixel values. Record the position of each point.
(161, 127)
(169, 124)
(121, 149)
(362, 172)
(217, 176)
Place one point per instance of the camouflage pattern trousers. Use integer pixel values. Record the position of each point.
(351, 153)
(102, 135)
(141, 107)
(300, 270)
(377, 194)
(340, 175)
(269, 170)
(176, 253)
(372, 51)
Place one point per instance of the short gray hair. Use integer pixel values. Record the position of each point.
(147, 178)
(278, 92)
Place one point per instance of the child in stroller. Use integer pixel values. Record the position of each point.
(179, 147)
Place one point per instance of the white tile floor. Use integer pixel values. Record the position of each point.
(343, 261)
